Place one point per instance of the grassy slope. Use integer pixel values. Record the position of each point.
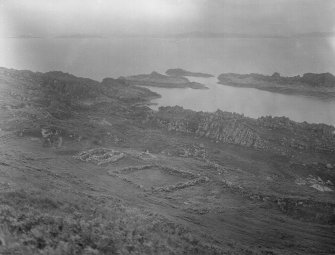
(52, 203)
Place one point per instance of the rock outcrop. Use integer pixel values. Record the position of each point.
(278, 134)
(229, 128)
(181, 72)
(220, 126)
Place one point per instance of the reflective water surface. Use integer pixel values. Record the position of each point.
(249, 101)
(114, 57)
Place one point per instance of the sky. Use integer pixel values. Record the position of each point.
(108, 17)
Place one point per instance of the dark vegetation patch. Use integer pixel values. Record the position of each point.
(33, 223)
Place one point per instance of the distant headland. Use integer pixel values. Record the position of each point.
(309, 84)
(177, 72)
(160, 80)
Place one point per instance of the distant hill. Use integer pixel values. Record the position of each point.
(199, 34)
(192, 34)
(181, 72)
(315, 34)
(80, 36)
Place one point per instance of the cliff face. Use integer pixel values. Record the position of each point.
(278, 134)
(219, 126)
(229, 129)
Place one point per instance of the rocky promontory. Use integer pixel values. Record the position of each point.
(310, 84)
(177, 72)
(159, 80)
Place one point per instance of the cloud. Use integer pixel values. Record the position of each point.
(46, 16)
(165, 16)
(264, 16)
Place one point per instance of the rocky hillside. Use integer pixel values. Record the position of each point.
(36, 99)
(219, 126)
(122, 90)
(266, 133)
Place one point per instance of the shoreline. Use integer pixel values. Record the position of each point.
(321, 85)
(285, 91)
(256, 116)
